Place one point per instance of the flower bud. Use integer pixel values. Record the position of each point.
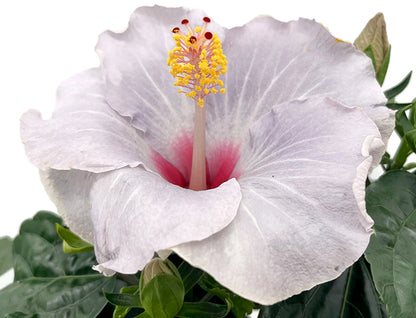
(374, 42)
(156, 267)
(161, 289)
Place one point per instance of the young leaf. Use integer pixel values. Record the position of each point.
(396, 90)
(350, 295)
(71, 242)
(125, 300)
(391, 202)
(6, 259)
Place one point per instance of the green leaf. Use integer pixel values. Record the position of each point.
(391, 202)
(239, 305)
(35, 257)
(48, 282)
(411, 139)
(125, 299)
(190, 275)
(6, 256)
(403, 124)
(396, 90)
(203, 310)
(123, 308)
(71, 242)
(43, 225)
(69, 296)
(370, 53)
(162, 296)
(37, 251)
(381, 74)
(397, 106)
(352, 295)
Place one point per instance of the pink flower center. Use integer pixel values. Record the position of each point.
(220, 163)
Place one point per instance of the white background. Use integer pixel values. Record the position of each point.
(45, 42)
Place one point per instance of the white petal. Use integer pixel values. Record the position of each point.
(136, 213)
(84, 132)
(302, 218)
(69, 191)
(271, 62)
(139, 83)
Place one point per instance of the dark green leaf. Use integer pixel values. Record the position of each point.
(396, 90)
(71, 242)
(381, 74)
(6, 256)
(352, 295)
(411, 139)
(124, 299)
(162, 296)
(69, 296)
(42, 224)
(190, 275)
(203, 310)
(120, 310)
(37, 251)
(391, 202)
(239, 305)
(35, 256)
(397, 106)
(403, 124)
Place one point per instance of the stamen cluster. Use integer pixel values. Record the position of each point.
(197, 61)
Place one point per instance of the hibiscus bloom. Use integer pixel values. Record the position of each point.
(288, 149)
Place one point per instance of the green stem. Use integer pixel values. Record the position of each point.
(401, 155)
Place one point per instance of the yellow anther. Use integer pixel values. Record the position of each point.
(196, 62)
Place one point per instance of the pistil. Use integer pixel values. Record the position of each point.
(198, 179)
(196, 62)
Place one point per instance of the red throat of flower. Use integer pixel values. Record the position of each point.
(196, 63)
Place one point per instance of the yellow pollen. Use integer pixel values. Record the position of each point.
(197, 61)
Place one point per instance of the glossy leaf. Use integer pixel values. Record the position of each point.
(397, 106)
(239, 305)
(6, 259)
(397, 89)
(411, 139)
(125, 299)
(403, 124)
(391, 202)
(48, 282)
(71, 242)
(203, 310)
(68, 296)
(124, 307)
(352, 295)
(162, 297)
(190, 275)
(37, 251)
